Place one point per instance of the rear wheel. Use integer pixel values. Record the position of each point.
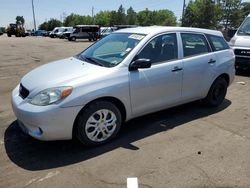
(217, 93)
(98, 123)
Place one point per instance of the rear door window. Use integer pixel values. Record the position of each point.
(194, 44)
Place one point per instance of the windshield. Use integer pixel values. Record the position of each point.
(245, 27)
(111, 50)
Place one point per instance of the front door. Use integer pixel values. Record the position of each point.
(160, 86)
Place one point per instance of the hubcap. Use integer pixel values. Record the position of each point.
(100, 125)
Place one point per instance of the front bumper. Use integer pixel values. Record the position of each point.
(50, 122)
(242, 57)
(242, 62)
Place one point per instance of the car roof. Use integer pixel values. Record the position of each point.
(87, 26)
(160, 29)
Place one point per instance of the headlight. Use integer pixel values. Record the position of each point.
(51, 95)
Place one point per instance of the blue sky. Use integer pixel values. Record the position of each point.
(46, 9)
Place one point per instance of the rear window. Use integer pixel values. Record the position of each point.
(217, 43)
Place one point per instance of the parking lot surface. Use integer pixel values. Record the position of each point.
(186, 146)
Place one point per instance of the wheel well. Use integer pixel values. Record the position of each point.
(225, 76)
(114, 100)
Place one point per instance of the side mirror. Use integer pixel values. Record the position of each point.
(140, 64)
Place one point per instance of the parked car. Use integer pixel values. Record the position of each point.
(39, 33)
(46, 33)
(129, 73)
(90, 32)
(1, 33)
(241, 45)
(105, 32)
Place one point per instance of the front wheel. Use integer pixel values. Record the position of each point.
(98, 123)
(217, 93)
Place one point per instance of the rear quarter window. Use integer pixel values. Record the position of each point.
(217, 43)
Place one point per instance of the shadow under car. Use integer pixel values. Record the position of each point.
(33, 155)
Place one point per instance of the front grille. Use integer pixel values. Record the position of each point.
(23, 92)
(242, 52)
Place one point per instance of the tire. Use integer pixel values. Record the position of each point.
(92, 128)
(9, 35)
(90, 39)
(73, 38)
(217, 93)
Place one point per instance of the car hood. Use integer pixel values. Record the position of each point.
(57, 73)
(242, 41)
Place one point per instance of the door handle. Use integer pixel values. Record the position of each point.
(212, 61)
(176, 69)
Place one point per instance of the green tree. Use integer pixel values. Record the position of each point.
(231, 13)
(113, 18)
(121, 16)
(245, 8)
(75, 19)
(2, 29)
(103, 18)
(157, 17)
(50, 25)
(20, 20)
(131, 16)
(44, 26)
(165, 17)
(201, 13)
(144, 17)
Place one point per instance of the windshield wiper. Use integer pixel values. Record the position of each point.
(92, 60)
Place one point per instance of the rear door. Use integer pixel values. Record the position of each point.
(199, 64)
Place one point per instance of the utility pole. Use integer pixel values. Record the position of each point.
(92, 11)
(183, 10)
(33, 15)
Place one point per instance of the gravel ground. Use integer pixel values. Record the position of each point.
(186, 146)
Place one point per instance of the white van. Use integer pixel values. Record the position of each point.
(241, 45)
(56, 31)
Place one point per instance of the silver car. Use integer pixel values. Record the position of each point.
(129, 73)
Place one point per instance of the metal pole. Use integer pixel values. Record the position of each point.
(34, 15)
(183, 10)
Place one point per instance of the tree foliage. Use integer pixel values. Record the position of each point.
(131, 16)
(215, 13)
(75, 19)
(20, 20)
(122, 17)
(231, 13)
(50, 25)
(159, 17)
(103, 18)
(245, 8)
(201, 13)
